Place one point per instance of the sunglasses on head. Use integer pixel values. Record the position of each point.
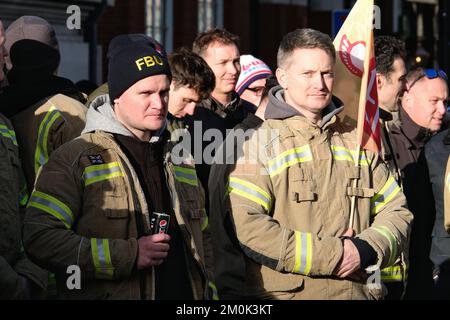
(430, 74)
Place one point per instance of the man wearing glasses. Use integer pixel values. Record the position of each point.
(422, 110)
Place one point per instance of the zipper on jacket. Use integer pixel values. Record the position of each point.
(140, 230)
(139, 224)
(202, 267)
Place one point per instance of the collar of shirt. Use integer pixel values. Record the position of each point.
(222, 110)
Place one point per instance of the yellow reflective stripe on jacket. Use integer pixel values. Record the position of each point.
(205, 223)
(389, 190)
(303, 252)
(8, 133)
(23, 196)
(52, 206)
(41, 153)
(214, 290)
(100, 172)
(289, 158)
(249, 191)
(384, 231)
(345, 154)
(102, 258)
(186, 175)
(392, 274)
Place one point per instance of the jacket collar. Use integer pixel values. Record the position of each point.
(217, 107)
(279, 109)
(416, 135)
(385, 115)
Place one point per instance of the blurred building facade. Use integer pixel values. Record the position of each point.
(81, 53)
(261, 24)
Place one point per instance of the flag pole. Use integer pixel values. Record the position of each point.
(361, 120)
(355, 185)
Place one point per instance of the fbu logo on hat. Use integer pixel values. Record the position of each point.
(148, 61)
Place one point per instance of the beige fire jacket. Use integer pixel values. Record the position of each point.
(289, 197)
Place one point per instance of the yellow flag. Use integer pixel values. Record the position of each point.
(355, 79)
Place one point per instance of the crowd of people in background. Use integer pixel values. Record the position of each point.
(92, 176)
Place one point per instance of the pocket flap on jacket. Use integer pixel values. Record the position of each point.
(360, 192)
(117, 214)
(303, 195)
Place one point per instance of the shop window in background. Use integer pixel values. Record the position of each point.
(210, 14)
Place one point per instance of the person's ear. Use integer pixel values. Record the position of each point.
(172, 85)
(407, 101)
(282, 78)
(380, 81)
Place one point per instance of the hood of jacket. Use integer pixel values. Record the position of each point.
(101, 117)
(277, 107)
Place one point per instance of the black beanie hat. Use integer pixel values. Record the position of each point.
(132, 58)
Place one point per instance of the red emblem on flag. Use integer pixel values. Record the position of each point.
(352, 55)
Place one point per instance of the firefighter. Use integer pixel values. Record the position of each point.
(94, 200)
(290, 193)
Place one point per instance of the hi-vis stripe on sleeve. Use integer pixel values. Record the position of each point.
(249, 191)
(100, 172)
(8, 133)
(41, 153)
(303, 253)
(186, 175)
(102, 258)
(205, 223)
(52, 206)
(288, 158)
(394, 273)
(344, 154)
(385, 232)
(380, 199)
(213, 288)
(23, 196)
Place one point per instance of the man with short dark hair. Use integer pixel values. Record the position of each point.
(220, 49)
(290, 201)
(390, 56)
(192, 82)
(223, 109)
